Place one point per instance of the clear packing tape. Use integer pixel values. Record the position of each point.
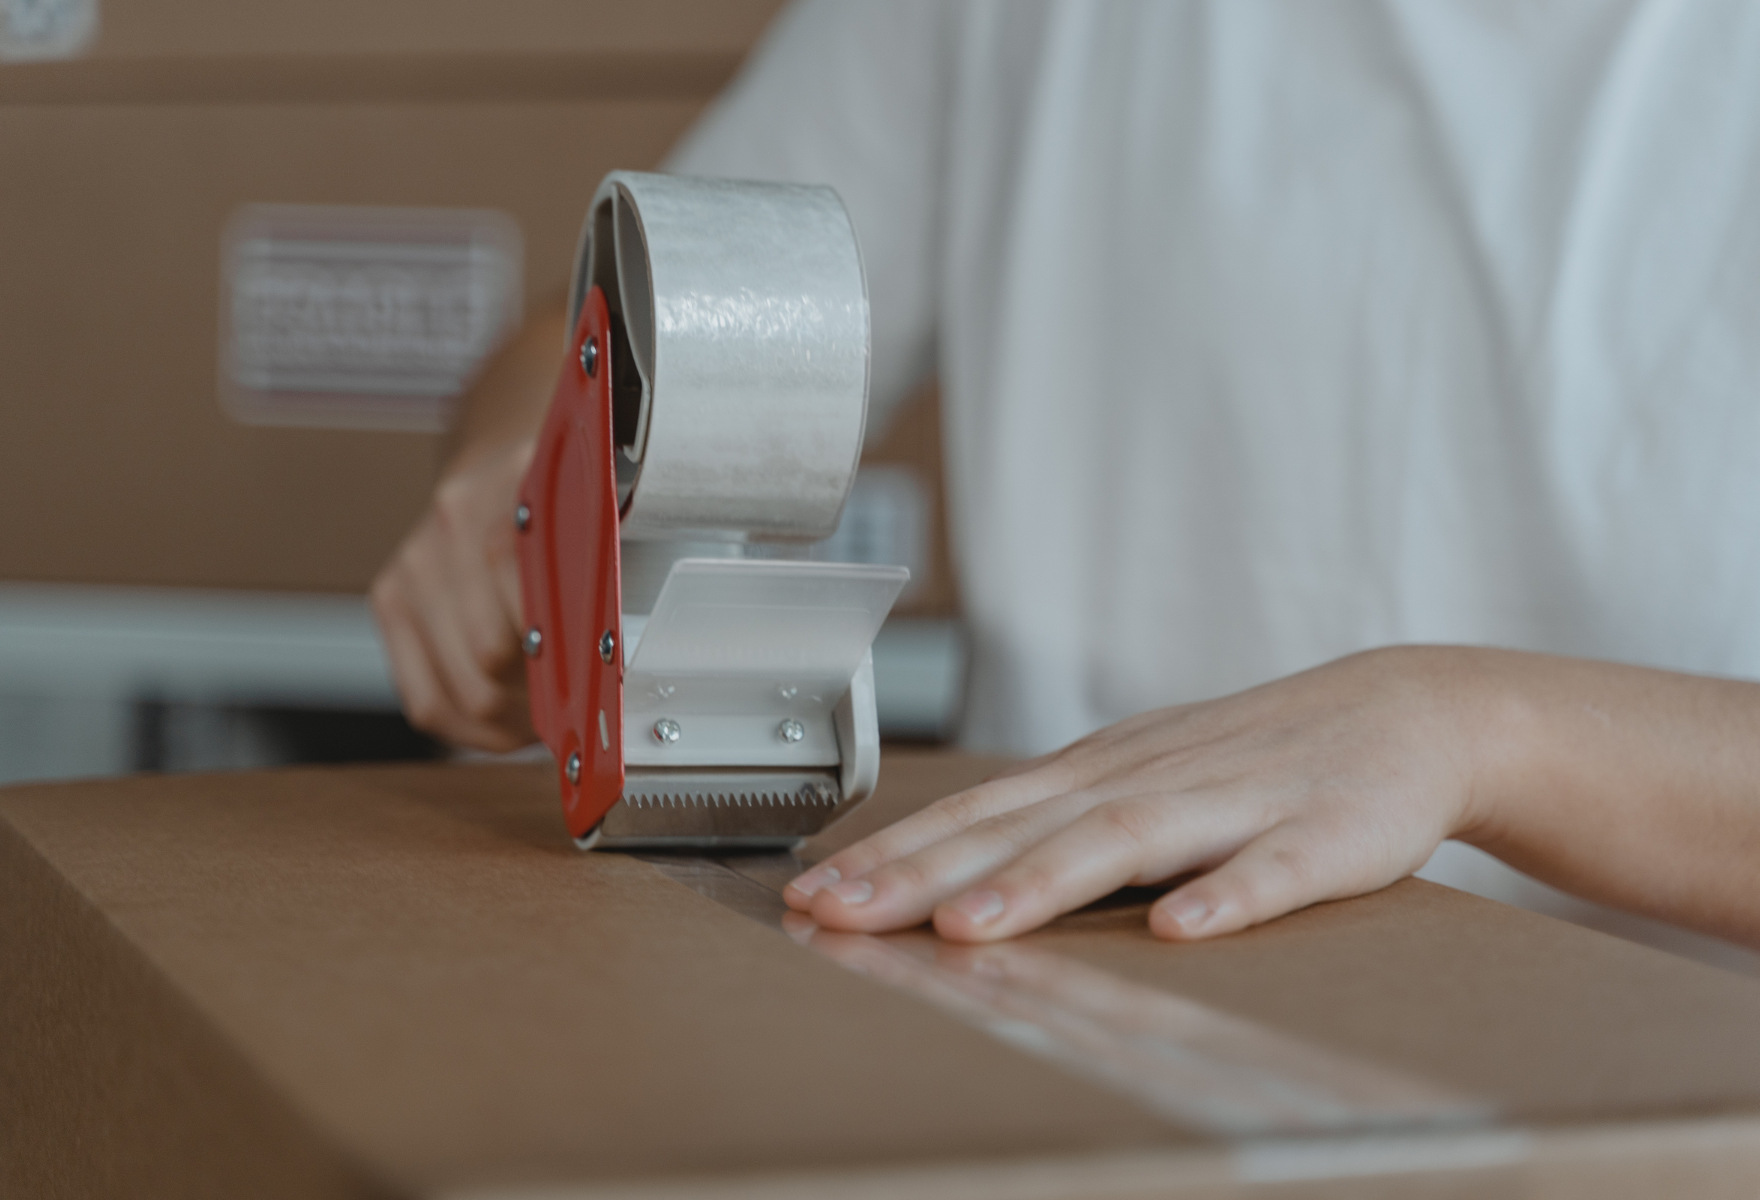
(719, 337)
(741, 368)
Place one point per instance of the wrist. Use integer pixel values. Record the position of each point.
(1505, 723)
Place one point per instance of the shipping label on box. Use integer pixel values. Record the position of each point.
(36, 30)
(362, 318)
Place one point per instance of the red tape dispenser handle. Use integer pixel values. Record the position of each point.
(570, 579)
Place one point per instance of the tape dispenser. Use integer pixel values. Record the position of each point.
(700, 681)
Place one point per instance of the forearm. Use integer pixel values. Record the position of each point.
(506, 404)
(1638, 788)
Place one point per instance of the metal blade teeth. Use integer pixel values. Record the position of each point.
(674, 810)
(806, 797)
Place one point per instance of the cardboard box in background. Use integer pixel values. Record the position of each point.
(113, 439)
(125, 165)
(158, 32)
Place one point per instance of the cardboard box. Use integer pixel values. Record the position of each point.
(406, 982)
(176, 31)
(124, 164)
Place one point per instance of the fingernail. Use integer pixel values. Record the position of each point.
(799, 927)
(980, 908)
(856, 891)
(818, 877)
(1190, 914)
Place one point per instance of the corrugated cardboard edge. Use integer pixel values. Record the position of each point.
(103, 1063)
(1711, 1159)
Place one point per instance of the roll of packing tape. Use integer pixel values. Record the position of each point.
(740, 369)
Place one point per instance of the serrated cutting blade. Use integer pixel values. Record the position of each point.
(724, 809)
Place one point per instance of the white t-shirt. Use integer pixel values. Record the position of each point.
(1272, 331)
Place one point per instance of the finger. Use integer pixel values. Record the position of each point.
(503, 556)
(462, 629)
(903, 892)
(451, 723)
(487, 595)
(1290, 866)
(512, 677)
(490, 557)
(427, 702)
(505, 572)
(479, 707)
(465, 590)
(941, 820)
(799, 927)
(1138, 839)
(415, 683)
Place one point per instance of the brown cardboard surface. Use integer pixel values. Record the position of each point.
(405, 981)
(113, 1084)
(135, 29)
(281, 78)
(122, 166)
(425, 969)
(112, 437)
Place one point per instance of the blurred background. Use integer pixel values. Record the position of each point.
(249, 255)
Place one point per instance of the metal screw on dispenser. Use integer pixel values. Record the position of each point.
(534, 642)
(590, 357)
(573, 767)
(522, 518)
(791, 730)
(607, 645)
(666, 730)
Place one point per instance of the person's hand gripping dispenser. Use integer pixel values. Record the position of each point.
(712, 402)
